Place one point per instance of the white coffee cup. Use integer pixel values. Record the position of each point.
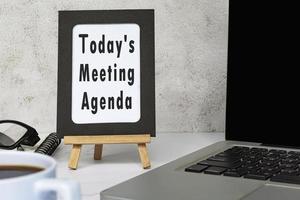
(40, 185)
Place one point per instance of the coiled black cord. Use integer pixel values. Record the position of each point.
(49, 145)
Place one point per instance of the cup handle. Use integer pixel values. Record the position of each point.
(67, 189)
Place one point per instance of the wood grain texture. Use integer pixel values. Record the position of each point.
(74, 157)
(98, 151)
(108, 139)
(98, 141)
(144, 155)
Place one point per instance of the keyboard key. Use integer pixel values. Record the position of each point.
(290, 166)
(254, 157)
(224, 159)
(270, 170)
(270, 154)
(238, 148)
(269, 163)
(290, 161)
(255, 149)
(220, 164)
(228, 154)
(294, 152)
(235, 172)
(257, 176)
(286, 179)
(289, 172)
(291, 156)
(282, 152)
(260, 149)
(252, 167)
(196, 168)
(250, 162)
(272, 159)
(275, 151)
(215, 170)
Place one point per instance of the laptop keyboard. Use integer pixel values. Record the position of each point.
(253, 163)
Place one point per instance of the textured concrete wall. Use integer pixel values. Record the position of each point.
(191, 49)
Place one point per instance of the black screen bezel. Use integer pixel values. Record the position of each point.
(231, 97)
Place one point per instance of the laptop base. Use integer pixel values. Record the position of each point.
(172, 182)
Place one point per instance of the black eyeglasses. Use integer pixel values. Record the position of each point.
(13, 134)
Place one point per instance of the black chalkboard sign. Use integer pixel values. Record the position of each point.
(106, 83)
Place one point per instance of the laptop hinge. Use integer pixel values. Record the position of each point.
(280, 146)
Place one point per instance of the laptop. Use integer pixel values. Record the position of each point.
(260, 158)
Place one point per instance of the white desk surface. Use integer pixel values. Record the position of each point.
(121, 162)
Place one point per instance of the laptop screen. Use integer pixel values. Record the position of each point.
(263, 75)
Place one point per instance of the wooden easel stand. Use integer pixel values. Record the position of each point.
(98, 141)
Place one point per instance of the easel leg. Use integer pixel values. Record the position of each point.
(144, 155)
(98, 151)
(75, 153)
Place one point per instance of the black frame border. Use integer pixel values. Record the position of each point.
(67, 20)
